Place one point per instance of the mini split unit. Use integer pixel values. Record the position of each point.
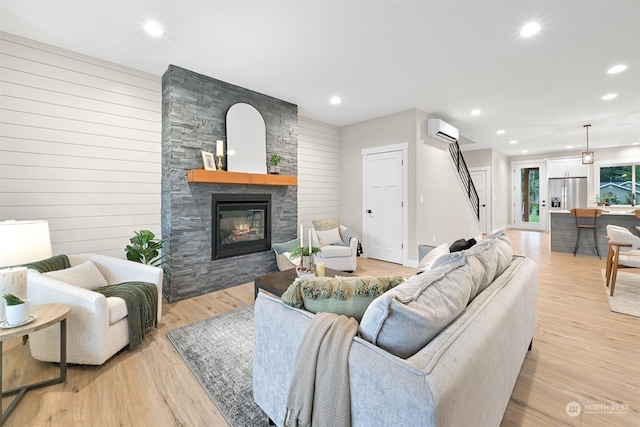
(441, 130)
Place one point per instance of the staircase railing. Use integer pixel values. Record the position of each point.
(465, 177)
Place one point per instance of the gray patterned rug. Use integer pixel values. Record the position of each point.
(219, 352)
(626, 295)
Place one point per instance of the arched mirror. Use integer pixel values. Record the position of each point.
(246, 140)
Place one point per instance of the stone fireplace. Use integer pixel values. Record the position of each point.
(193, 118)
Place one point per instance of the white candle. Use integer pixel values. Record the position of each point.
(320, 269)
(301, 238)
(309, 245)
(219, 148)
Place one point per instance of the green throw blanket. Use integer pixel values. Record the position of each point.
(142, 307)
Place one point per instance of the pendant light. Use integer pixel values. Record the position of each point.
(587, 156)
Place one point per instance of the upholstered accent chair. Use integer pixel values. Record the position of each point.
(97, 326)
(335, 252)
(624, 251)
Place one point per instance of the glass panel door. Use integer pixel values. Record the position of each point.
(530, 196)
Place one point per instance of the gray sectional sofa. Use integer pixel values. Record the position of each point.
(462, 376)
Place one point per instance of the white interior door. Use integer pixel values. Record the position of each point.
(383, 206)
(480, 180)
(529, 195)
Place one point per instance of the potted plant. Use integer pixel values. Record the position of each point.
(273, 164)
(145, 248)
(598, 202)
(17, 310)
(305, 257)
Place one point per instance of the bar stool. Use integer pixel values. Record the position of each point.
(587, 219)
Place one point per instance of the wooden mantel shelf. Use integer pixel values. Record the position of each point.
(222, 177)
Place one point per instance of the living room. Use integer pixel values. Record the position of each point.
(95, 173)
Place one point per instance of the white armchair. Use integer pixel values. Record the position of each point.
(623, 251)
(97, 326)
(341, 258)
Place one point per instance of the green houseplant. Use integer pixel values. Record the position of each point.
(273, 164)
(145, 248)
(305, 256)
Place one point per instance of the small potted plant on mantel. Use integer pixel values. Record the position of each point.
(273, 164)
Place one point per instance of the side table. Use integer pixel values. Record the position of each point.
(46, 315)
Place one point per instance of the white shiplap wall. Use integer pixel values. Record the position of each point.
(80, 146)
(318, 171)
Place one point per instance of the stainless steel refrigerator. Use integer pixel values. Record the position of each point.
(567, 193)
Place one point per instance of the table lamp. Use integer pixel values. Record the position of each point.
(21, 242)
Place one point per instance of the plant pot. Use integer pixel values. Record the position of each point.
(274, 170)
(18, 314)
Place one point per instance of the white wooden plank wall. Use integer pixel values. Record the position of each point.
(318, 171)
(80, 146)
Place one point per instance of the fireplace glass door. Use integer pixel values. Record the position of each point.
(241, 224)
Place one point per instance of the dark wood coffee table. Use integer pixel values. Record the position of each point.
(277, 283)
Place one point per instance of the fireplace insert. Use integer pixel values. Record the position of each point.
(241, 224)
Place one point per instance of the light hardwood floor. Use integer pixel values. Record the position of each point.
(582, 352)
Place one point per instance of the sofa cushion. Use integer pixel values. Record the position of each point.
(341, 295)
(334, 252)
(406, 318)
(427, 261)
(329, 237)
(85, 275)
(326, 224)
(487, 260)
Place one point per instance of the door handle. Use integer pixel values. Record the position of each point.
(369, 211)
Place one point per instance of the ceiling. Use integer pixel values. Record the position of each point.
(445, 58)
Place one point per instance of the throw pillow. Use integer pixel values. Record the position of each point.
(85, 275)
(427, 261)
(404, 319)
(329, 237)
(326, 224)
(461, 245)
(341, 295)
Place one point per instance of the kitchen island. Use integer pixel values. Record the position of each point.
(563, 232)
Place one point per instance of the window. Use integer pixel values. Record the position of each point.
(618, 184)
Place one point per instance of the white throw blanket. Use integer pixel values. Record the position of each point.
(319, 394)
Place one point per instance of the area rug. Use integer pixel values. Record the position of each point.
(626, 295)
(219, 352)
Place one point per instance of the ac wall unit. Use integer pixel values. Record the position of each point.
(439, 129)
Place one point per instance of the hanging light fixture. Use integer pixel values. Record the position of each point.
(587, 156)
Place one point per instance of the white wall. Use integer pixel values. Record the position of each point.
(445, 211)
(318, 171)
(80, 146)
(500, 191)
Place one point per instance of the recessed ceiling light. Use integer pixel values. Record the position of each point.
(335, 100)
(617, 69)
(475, 112)
(532, 28)
(500, 132)
(609, 96)
(525, 151)
(569, 147)
(513, 141)
(153, 28)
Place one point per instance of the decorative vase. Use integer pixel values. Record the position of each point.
(18, 314)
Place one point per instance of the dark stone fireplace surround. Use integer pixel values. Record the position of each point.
(194, 108)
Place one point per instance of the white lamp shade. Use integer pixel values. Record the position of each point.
(23, 241)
